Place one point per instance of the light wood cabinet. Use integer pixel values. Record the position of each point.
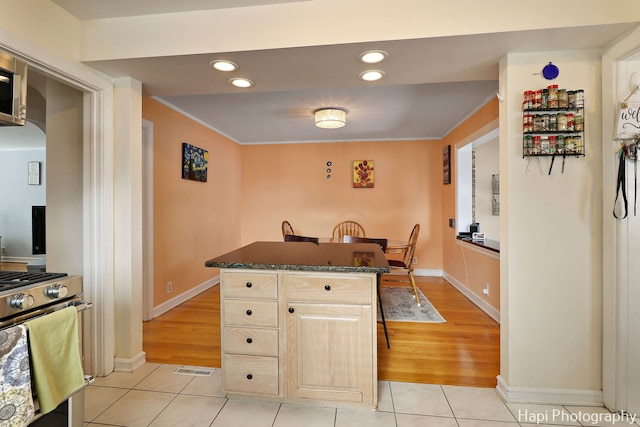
(251, 360)
(310, 337)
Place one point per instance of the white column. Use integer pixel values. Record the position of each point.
(128, 224)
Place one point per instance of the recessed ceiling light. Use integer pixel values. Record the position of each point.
(223, 65)
(373, 56)
(372, 76)
(241, 82)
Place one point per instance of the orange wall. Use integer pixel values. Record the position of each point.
(193, 221)
(289, 181)
(453, 256)
(252, 188)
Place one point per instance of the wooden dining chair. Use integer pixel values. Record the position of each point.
(383, 245)
(287, 228)
(406, 263)
(296, 238)
(347, 228)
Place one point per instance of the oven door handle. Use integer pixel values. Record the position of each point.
(76, 302)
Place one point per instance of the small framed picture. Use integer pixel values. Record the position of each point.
(195, 163)
(363, 174)
(446, 164)
(33, 175)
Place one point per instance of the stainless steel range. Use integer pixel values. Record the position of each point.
(26, 295)
(23, 293)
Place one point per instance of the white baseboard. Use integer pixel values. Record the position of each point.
(129, 365)
(548, 396)
(482, 304)
(183, 297)
(417, 272)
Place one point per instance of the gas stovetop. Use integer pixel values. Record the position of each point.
(21, 290)
(16, 279)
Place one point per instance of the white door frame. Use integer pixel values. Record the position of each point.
(98, 205)
(147, 215)
(621, 348)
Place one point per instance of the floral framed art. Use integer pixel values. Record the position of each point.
(363, 174)
(195, 162)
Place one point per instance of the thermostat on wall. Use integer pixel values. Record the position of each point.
(477, 236)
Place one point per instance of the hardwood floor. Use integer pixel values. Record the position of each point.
(463, 351)
(13, 266)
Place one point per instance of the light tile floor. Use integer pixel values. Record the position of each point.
(154, 395)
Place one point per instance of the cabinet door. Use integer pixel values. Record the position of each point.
(330, 352)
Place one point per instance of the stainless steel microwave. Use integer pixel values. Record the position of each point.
(13, 91)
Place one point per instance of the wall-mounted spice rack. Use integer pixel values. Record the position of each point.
(553, 122)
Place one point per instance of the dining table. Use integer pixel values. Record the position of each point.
(394, 246)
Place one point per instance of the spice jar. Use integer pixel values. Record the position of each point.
(544, 145)
(561, 121)
(538, 123)
(552, 96)
(552, 125)
(569, 146)
(570, 122)
(552, 144)
(563, 98)
(572, 98)
(528, 100)
(577, 142)
(544, 99)
(528, 144)
(535, 147)
(578, 121)
(579, 98)
(560, 144)
(527, 123)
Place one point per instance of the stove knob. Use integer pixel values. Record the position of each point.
(22, 301)
(57, 291)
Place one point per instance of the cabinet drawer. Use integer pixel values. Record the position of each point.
(249, 285)
(250, 374)
(261, 342)
(250, 313)
(330, 288)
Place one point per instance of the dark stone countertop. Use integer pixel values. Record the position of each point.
(491, 245)
(305, 256)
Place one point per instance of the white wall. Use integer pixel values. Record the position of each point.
(65, 190)
(487, 164)
(16, 194)
(551, 243)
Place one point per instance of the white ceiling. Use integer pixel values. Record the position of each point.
(430, 85)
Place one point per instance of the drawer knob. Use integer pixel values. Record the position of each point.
(291, 310)
(327, 287)
(249, 340)
(249, 284)
(249, 376)
(249, 312)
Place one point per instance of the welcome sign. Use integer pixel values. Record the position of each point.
(628, 120)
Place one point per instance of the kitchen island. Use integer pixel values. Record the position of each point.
(299, 322)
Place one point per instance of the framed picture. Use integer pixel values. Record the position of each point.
(195, 162)
(363, 174)
(33, 174)
(446, 164)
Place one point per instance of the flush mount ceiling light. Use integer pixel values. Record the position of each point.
(330, 118)
(372, 75)
(373, 56)
(241, 82)
(223, 65)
